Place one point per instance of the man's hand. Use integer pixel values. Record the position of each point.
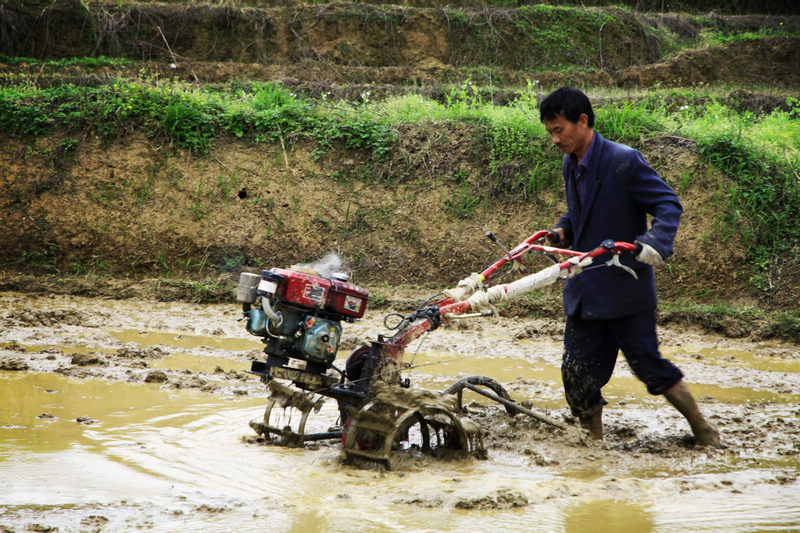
(557, 238)
(649, 255)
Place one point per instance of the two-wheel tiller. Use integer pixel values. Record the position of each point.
(299, 314)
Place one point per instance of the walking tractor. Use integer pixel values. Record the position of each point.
(299, 312)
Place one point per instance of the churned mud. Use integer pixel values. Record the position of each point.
(133, 414)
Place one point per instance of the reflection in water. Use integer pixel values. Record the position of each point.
(178, 340)
(621, 387)
(40, 411)
(607, 516)
(734, 358)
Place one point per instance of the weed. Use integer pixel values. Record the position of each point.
(228, 184)
(68, 145)
(87, 62)
(197, 213)
(764, 194)
(161, 261)
(626, 123)
(377, 300)
(189, 125)
(20, 118)
(40, 260)
(142, 192)
(232, 262)
(685, 181)
(463, 203)
(271, 95)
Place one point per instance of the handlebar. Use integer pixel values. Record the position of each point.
(476, 293)
(536, 243)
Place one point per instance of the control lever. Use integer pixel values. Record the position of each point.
(614, 261)
(516, 263)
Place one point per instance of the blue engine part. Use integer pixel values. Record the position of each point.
(298, 335)
(320, 339)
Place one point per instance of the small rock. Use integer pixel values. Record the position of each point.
(94, 520)
(156, 376)
(41, 528)
(16, 347)
(86, 359)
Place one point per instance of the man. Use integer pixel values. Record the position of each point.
(610, 190)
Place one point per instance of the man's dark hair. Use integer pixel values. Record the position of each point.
(566, 101)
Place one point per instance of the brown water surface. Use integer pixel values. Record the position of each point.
(95, 448)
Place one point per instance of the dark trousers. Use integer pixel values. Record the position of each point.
(590, 354)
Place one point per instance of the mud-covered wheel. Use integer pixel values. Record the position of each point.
(406, 422)
(457, 389)
(414, 431)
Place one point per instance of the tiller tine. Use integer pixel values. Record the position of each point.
(398, 420)
(289, 400)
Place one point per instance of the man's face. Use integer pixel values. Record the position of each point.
(567, 136)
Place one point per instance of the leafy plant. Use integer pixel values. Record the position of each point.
(18, 117)
(271, 95)
(626, 123)
(189, 125)
(765, 195)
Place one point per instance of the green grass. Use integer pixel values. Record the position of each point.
(626, 122)
(717, 317)
(760, 155)
(88, 62)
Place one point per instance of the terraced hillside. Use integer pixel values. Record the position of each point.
(193, 139)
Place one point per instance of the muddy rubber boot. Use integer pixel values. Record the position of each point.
(705, 434)
(594, 424)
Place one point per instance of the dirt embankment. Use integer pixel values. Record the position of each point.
(345, 44)
(136, 207)
(128, 207)
(762, 62)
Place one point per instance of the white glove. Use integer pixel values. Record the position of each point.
(649, 255)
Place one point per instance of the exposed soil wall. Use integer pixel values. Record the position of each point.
(360, 35)
(136, 207)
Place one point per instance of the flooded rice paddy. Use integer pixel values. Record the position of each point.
(133, 416)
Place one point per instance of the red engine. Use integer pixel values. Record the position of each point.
(329, 296)
(299, 314)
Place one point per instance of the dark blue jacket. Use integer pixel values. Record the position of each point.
(621, 190)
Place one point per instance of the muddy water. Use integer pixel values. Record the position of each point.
(94, 447)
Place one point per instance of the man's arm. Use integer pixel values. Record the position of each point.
(654, 196)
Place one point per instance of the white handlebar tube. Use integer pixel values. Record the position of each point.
(465, 287)
(481, 301)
